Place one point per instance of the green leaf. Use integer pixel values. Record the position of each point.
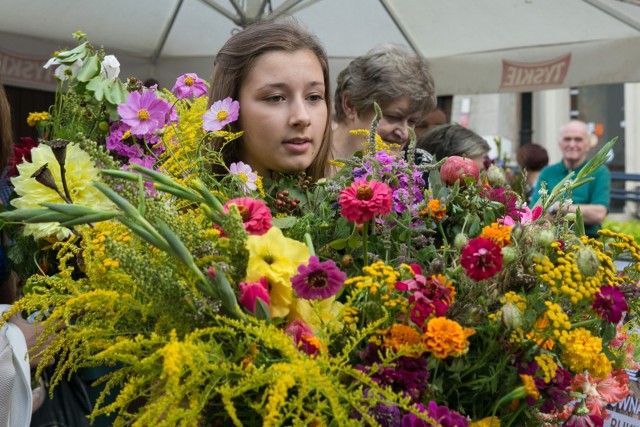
(578, 226)
(262, 310)
(338, 244)
(354, 241)
(90, 69)
(115, 92)
(285, 222)
(71, 56)
(97, 85)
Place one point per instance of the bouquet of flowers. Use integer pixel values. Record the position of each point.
(391, 294)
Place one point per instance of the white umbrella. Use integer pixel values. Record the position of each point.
(473, 46)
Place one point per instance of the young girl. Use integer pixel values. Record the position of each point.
(279, 73)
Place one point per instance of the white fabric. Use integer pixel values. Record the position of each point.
(15, 376)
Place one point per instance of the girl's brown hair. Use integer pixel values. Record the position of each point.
(6, 135)
(237, 57)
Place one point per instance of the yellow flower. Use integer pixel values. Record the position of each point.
(486, 422)
(530, 386)
(444, 337)
(583, 351)
(80, 172)
(402, 336)
(277, 258)
(34, 118)
(318, 314)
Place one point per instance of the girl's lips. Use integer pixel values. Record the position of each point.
(297, 146)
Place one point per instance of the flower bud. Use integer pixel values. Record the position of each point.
(509, 254)
(347, 261)
(587, 261)
(570, 216)
(545, 237)
(511, 316)
(460, 241)
(495, 176)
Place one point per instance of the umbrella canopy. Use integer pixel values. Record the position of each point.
(473, 46)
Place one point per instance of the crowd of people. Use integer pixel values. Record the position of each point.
(279, 73)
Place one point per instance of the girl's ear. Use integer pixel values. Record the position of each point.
(349, 110)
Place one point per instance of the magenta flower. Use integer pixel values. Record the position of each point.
(318, 279)
(365, 199)
(427, 296)
(256, 216)
(303, 338)
(221, 114)
(250, 292)
(188, 85)
(445, 417)
(582, 417)
(481, 258)
(527, 216)
(609, 303)
(143, 112)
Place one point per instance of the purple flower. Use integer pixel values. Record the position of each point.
(189, 85)
(220, 114)
(318, 279)
(445, 416)
(143, 112)
(609, 303)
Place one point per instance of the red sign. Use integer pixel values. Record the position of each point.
(19, 69)
(534, 74)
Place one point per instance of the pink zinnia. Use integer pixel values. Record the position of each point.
(256, 216)
(318, 279)
(189, 85)
(250, 292)
(527, 216)
(481, 258)
(609, 303)
(428, 296)
(221, 114)
(365, 199)
(143, 112)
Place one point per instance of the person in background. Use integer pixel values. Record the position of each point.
(399, 81)
(279, 73)
(592, 197)
(435, 118)
(454, 140)
(531, 158)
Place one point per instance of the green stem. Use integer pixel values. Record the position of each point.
(444, 237)
(307, 240)
(365, 243)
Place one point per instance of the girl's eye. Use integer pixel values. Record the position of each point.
(316, 98)
(275, 98)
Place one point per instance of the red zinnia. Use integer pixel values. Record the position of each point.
(609, 303)
(365, 199)
(256, 216)
(481, 258)
(21, 153)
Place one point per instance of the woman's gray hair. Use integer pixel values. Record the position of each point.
(382, 75)
(453, 140)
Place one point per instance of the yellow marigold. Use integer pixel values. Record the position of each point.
(530, 386)
(444, 337)
(399, 336)
(80, 173)
(486, 422)
(500, 234)
(34, 118)
(583, 352)
(435, 209)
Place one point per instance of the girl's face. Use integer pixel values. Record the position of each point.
(283, 112)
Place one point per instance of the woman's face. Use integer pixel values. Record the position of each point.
(397, 118)
(283, 112)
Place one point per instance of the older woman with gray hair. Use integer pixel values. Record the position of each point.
(454, 140)
(398, 80)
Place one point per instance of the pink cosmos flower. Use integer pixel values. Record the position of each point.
(527, 216)
(256, 216)
(251, 291)
(246, 174)
(365, 199)
(318, 279)
(188, 85)
(143, 112)
(481, 258)
(221, 114)
(609, 303)
(303, 337)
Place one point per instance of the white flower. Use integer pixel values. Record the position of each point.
(110, 66)
(246, 174)
(65, 72)
(52, 61)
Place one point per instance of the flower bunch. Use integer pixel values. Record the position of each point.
(372, 297)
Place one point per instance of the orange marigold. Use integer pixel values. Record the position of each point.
(399, 336)
(448, 284)
(500, 234)
(444, 337)
(435, 209)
